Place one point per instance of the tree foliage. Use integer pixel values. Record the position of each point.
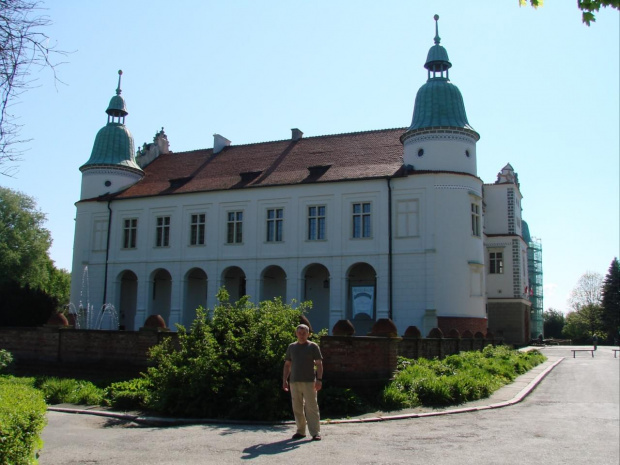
(581, 326)
(553, 323)
(24, 241)
(227, 365)
(587, 292)
(586, 319)
(27, 273)
(610, 301)
(587, 7)
(24, 50)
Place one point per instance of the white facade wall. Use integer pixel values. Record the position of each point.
(433, 248)
(100, 181)
(444, 150)
(502, 203)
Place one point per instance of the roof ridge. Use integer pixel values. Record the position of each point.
(404, 128)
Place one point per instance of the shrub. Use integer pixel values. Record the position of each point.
(132, 394)
(71, 391)
(6, 359)
(340, 402)
(456, 379)
(22, 419)
(229, 365)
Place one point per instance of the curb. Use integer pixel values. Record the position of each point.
(163, 421)
(515, 400)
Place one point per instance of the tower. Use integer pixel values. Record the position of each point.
(439, 150)
(112, 165)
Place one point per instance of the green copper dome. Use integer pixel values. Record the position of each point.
(438, 102)
(117, 106)
(525, 229)
(437, 55)
(114, 147)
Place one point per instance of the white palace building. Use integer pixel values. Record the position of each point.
(391, 223)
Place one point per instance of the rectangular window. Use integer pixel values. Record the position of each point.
(162, 232)
(275, 224)
(496, 263)
(100, 235)
(197, 229)
(234, 226)
(361, 220)
(130, 232)
(475, 219)
(407, 218)
(316, 223)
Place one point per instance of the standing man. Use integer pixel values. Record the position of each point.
(301, 358)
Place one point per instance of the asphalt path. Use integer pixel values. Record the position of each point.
(568, 414)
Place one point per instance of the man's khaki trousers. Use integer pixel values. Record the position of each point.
(305, 408)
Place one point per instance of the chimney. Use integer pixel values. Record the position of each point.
(297, 134)
(219, 142)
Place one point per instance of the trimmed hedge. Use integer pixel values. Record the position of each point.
(22, 419)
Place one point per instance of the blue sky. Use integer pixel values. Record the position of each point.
(541, 88)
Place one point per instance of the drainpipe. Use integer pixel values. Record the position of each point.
(390, 283)
(107, 255)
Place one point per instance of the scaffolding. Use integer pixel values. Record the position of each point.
(534, 265)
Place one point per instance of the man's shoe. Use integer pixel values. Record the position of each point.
(298, 436)
(316, 437)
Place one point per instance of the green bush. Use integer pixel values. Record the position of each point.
(229, 365)
(22, 419)
(456, 379)
(340, 402)
(71, 391)
(6, 359)
(131, 394)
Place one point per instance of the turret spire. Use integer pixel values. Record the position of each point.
(118, 89)
(117, 110)
(437, 38)
(438, 102)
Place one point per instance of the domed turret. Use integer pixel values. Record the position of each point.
(113, 156)
(438, 102)
(439, 109)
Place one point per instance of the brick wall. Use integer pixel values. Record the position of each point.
(354, 361)
(350, 361)
(53, 350)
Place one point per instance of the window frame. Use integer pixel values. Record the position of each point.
(197, 229)
(130, 233)
(274, 225)
(234, 227)
(361, 221)
(162, 231)
(100, 235)
(475, 220)
(316, 222)
(496, 262)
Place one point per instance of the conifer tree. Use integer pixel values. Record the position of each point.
(611, 301)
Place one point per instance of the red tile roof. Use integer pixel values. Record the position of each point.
(360, 155)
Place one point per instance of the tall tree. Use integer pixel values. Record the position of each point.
(587, 292)
(611, 301)
(553, 323)
(24, 49)
(587, 7)
(24, 242)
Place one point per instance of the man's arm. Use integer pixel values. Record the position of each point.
(318, 383)
(285, 374)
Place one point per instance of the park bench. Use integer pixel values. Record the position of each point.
(582, 350)
(615, 351)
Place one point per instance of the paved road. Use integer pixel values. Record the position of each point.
(571, 417)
